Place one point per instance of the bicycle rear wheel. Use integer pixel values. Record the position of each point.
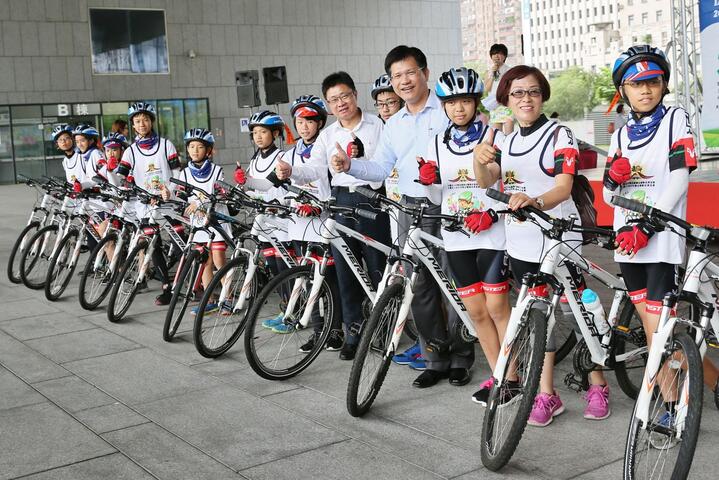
(13, 263)
(127, 284)
(36, 257)
(275, 353)
(214, 333)
(630, 336)
(183, 292)
(61, 267)
(664, 448)
(509, 404)
(374, 355)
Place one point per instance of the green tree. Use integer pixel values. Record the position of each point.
(603, 86)
(572, 93)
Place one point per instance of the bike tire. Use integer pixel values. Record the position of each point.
(629, 377)
(182, 294)
(374, 341)
(284, 348)
(13, 270)
(33, 266)
(637, 448)
(228, 327)
(128, 274)
(532, 334)
(61, 267)
(91, 299)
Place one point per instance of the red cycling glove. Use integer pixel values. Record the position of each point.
(427, 171)
(307, 210)
(478, 220)
(631, 239)
(112, 164)
(77, 186)
(620, 171)
(240, 176)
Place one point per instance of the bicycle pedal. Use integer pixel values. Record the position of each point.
(571, 382)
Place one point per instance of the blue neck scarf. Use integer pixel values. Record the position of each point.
(202, 172)
(304, 150)
(472, 134)
(86, 155)
(148, 142)
(645, 126)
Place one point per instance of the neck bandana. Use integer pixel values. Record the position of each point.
(303, 149)
(203, 171)
(472, 134)
(148, 142)
(645, 126)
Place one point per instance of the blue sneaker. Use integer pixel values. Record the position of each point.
(282, 328)
(418, 364)
(661, 441)
(271, 323)
(209, 308)
(408, 356)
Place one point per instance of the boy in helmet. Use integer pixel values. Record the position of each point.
(385, 99)
(150, 162)
(72, 163)
(651, 158)
(86, 137)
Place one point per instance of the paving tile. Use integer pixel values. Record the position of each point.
(26, 308)
(39, 437)
(166, 455)
(44, 325)
(16, 393)
(79, 345)
(73, 393)
(240, 375)
(236, 427)
(27, 363)
(110, 417)
(115, 466)
(139, 376)
(342, 461)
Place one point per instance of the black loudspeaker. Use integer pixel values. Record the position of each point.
(248, 88)
(275, 85)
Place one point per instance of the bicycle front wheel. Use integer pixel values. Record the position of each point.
(61, 267)
(510, 403)
(664, 446)
(277, 345)
(13, 263)
(36, 257)
(127, 284)
(374, 352)
(95, 282)
(183, 292)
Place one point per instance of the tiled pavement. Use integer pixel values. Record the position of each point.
(81, 398)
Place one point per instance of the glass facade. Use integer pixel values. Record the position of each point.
(26, 146)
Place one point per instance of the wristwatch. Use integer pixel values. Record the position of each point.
(540, 202)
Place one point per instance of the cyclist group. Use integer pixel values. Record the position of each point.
(431, 146)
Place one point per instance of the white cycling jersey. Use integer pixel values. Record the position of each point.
(207, 185)
(261, 166)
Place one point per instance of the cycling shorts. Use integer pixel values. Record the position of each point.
(519, 268)
(649, 282)
(479, 271)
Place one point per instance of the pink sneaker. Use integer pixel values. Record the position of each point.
(597, 398)
(545, 408)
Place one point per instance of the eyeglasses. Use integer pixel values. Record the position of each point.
(652, 82)
(409, 73)
(341, 97)
(387, 104)
(520, 93)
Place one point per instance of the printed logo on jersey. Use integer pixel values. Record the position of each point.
(73, 179)
(462, 176)
(510, 178)
(153, 180)
(638, 173)
(392, 186)
(462, 202)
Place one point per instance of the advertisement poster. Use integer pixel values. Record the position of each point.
(709, 28)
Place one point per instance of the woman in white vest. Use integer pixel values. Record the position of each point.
(477, 262)
(537, 165)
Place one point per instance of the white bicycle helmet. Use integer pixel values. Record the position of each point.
(459, 82)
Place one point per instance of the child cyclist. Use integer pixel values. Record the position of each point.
(202, 173)
(478, 263)
(150, 162)
(72, 163)
(386, 101)
(652, 156)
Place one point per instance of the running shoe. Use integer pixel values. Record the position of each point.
(482, 395)
(597, 398)
(408, 356)
(283, 328)
(418, 363)
(271, 323)
(309, 344)
(545, 408)
(209, 308)
(335, 341)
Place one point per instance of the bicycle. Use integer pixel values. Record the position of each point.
(532, 320)
(234, 287)
(141, 246)
(187, 283)
(103, 264)
(306, 301)
(41, 215)
(674, 364)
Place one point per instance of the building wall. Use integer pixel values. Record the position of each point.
(45, 50)
(486, 22)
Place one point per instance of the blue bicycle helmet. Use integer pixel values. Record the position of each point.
(201, 134)
(267, 119)
(636, 54)
(142, 107)
(60, 129)
(115, 140)
(87, 131)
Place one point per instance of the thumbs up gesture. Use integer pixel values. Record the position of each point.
(484, 152)
(355, 148)
(283, 170)
(340, 161)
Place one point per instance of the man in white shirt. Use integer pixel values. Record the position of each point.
(355, 131)
(405, 137)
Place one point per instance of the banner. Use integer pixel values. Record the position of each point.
(709, 33)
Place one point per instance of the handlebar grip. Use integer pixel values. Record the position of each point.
(367, 192)
(366, 214)
(497, 195)
(293, 189)
(179, 182)
(632, 205)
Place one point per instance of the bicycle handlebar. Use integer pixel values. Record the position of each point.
(504, 198)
